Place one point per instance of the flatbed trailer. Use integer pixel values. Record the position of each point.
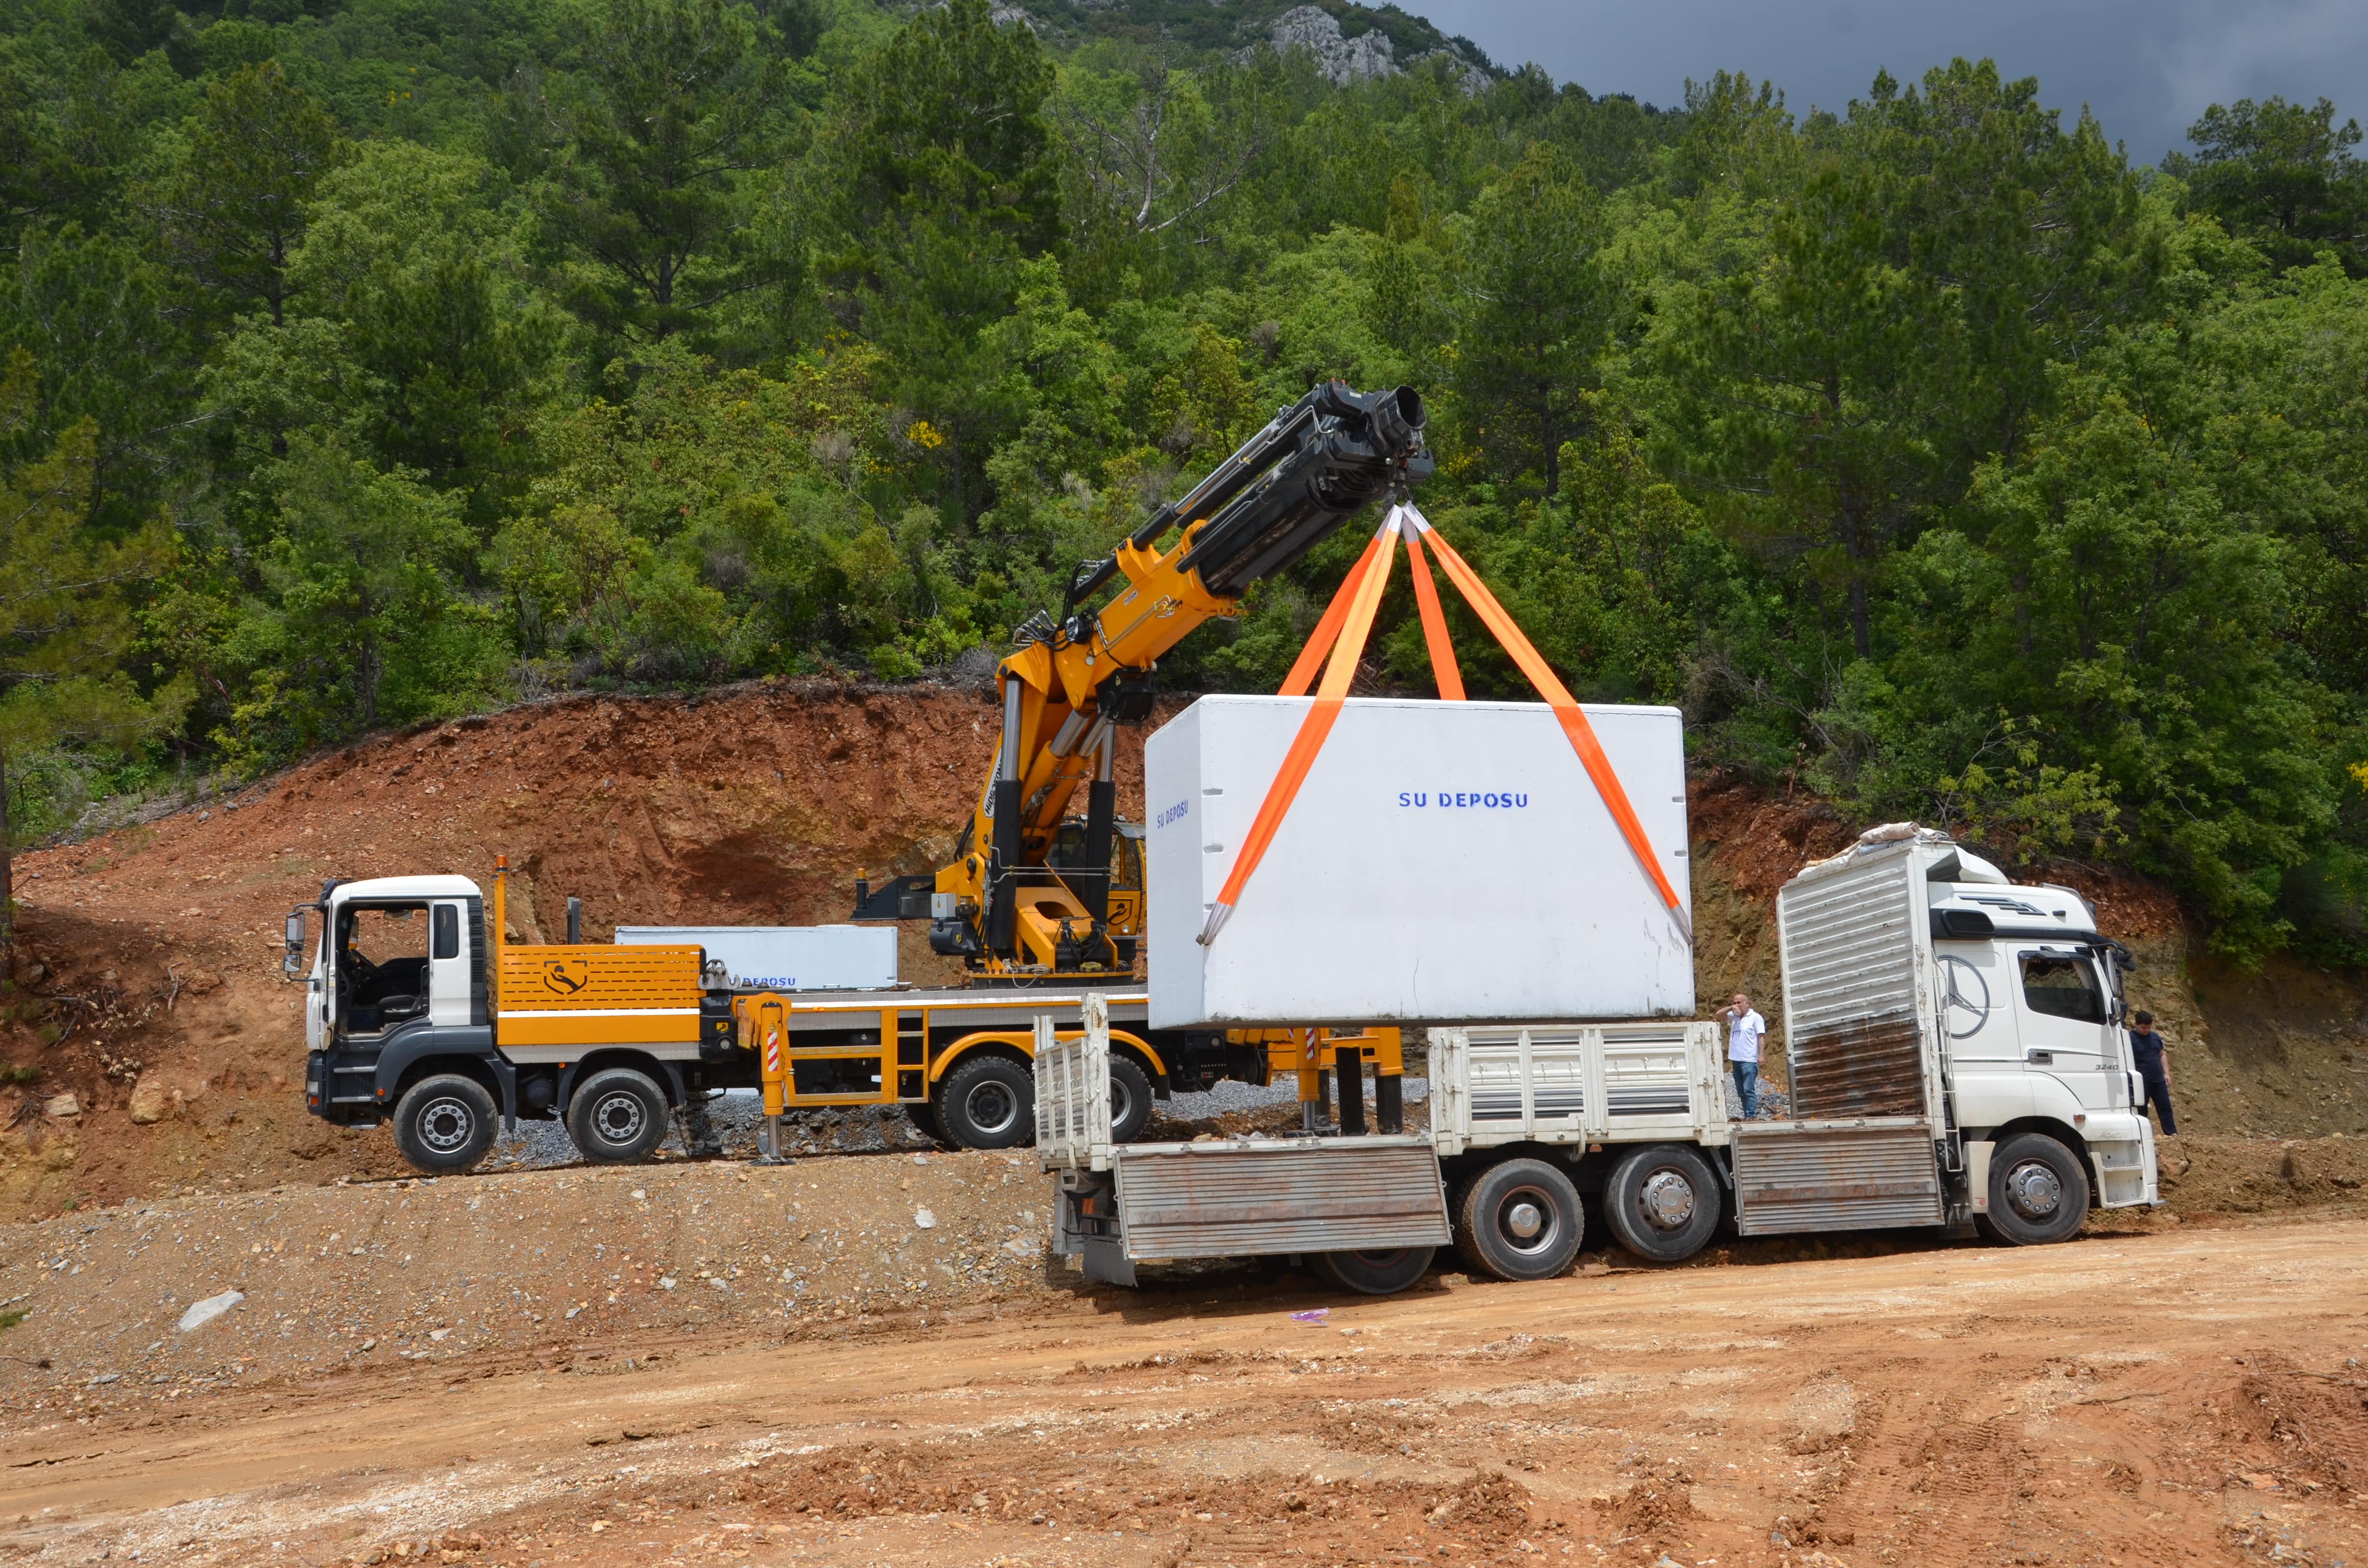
(1956, 1059)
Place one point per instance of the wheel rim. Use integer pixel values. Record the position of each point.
(619, 1118)
(1380, 1261)
(446, 1124)
(1121, 1102)
(991, 1106)
(2033, 1190)
(1666, 1200)
(1528, 1220)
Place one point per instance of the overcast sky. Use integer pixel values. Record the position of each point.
(2148, 68)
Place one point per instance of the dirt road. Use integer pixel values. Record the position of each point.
(2195, 1396)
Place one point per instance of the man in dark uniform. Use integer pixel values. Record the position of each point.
(2148, 1053)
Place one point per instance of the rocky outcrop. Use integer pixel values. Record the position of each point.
(1369, 55)
(1343, 59)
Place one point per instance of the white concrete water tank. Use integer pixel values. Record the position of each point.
(1443, 862)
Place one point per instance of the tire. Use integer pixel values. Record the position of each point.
(1458, 1187)
(987, 1102)
(1129, 1098)
(1518, 1220)
(1382, 1273)
(1662, 1203)
(2039, 1191)
(617, 1117)
(444, 1123)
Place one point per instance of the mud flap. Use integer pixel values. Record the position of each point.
(1106, 1260)
(1978, 1174)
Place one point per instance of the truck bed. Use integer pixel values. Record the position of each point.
(1645, 1079)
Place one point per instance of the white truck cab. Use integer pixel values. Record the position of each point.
(2029, 1008)
(397, 977)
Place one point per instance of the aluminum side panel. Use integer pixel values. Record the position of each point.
(1793, 1176)
(1244, 1200)
(1630, 1082)
(1855, 1012)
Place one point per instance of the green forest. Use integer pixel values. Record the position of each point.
(366, 362)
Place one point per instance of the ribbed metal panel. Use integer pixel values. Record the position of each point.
(1665, 1101)
(1646, 1071)
(1854, 1044)
(1791, 1176)
(1524, 1077)
(1867, 1067)
(1073, 1117)
(1246, 1199)
(1625, 1081)
(1495, 1076)
(1557, 1075)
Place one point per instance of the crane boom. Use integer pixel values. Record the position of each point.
(1028, 894)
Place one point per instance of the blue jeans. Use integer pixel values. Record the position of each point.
(2157, 1096)
(1747, 1086)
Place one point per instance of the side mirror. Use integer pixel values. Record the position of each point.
(291, 962)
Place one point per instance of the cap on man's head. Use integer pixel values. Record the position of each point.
(2142, 1016)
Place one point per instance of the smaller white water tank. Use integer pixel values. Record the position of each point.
(783, 958)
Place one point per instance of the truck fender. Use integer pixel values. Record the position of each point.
(1978, 1153)
(1022, 1043)
(472, 1043)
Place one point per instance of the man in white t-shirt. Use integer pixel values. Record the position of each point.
(1744, 1030)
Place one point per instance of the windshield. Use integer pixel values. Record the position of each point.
(377, 937)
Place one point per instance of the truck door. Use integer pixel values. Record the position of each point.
(448, 962)
(2060, 1007)
(1975, 982)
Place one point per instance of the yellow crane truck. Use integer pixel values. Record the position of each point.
(1034, 894)
(413, 1016)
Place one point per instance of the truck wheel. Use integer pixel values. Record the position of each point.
(2039, 1191)
(1518, 1220)
(444, 1123)
(617, 1117)
(1662, 1203)
(1129, 1098)
(1380, 1273)
(987, 1102)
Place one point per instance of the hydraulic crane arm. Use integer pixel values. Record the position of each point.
(1009, 903)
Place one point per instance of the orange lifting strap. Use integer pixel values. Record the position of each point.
(1347, 622)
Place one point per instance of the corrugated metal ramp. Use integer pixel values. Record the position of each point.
(1834, 1176)
(1243, 1196)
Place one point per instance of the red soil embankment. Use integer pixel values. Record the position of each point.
(148, 960)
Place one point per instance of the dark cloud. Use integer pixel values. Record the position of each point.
(2146, 67)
